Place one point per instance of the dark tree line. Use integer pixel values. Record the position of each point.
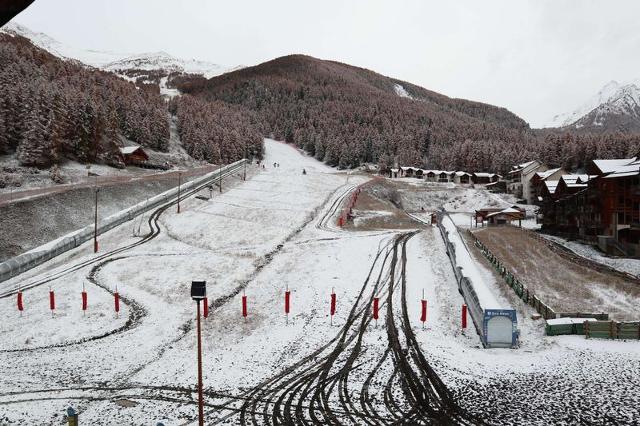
(52, 109)
(216, 132)
(347, 116)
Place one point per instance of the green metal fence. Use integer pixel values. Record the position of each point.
(612, 330)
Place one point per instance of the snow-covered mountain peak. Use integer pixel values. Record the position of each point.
(117, 61)
(613, 98)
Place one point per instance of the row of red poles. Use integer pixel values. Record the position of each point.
(84, 296)
(287, 305)
(347, 211)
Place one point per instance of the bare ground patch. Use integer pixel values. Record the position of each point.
(379, 207)
(562, 284)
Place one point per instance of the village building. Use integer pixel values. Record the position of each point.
(485, 178)
(538, 182)
(431, 175)
(462, 178)
(519, 179)
(445, 176)
(601, 207)
(499, 216)
(133, 155)
(411, 172)
(498, 187)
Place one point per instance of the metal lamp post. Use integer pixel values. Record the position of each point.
(198, 293)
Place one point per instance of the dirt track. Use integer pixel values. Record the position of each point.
(564, 285)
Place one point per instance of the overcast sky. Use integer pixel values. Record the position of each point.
(536, 58)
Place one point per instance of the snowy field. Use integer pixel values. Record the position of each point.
(276, 231)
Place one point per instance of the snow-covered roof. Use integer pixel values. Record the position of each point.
(614, 165)
(463, 174)
(575, 180)
(630, 169)
(128, 149)
(508, 210)
(546, 174)
(551, 185)
(394, 170)
(483, 174)
(521, 167)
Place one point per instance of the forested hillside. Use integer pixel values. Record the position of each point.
(346, 115)
(215, 131)
(53, 109)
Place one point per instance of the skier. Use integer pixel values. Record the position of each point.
(304, 172)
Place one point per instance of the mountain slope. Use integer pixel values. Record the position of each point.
(616, 107)
(347, 115)
(118, 62)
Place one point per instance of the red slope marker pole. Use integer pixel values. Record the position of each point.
(464, 317)
(205, 311)
(20, 302)
(84, 300)
(423, 314)
(375, 309)
(287, 302)
(244, 306)
(52, 301)
(116, 302)
(333, 304)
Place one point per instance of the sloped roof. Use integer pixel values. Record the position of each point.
(463, 174)
(483, 174)
(551, 185)
(546, 174)
(128, 149)
(614, 165)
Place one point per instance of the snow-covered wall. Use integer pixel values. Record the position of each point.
(45, 252)
(495, 322)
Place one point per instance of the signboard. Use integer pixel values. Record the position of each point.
(500, 328)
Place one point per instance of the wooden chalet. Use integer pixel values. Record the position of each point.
(484, 178)
(133, 155)
(499, 216)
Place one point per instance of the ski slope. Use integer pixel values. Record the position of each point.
(277, 231)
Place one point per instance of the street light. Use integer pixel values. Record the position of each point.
(198, 293)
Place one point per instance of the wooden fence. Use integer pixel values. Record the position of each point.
(612, 330)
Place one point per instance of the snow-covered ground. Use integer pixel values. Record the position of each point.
(277, 231)
(622, 264)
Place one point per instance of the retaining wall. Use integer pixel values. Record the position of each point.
(48, 251)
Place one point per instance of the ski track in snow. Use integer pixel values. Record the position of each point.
(278, 230)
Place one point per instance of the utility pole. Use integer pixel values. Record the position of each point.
(95, 224)
(220, 175)
(179, 182)
(244, 175)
